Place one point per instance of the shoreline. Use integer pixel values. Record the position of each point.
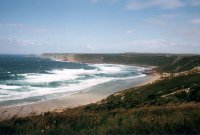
(88, 96)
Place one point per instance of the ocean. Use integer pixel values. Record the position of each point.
(27, 79)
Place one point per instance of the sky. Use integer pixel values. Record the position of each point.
(99, 26)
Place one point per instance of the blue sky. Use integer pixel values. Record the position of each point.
(99, 26)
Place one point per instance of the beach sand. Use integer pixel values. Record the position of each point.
(88, 96)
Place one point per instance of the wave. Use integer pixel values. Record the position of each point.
(37, 91)
(71, 74)
(9, 87)
(38, 84)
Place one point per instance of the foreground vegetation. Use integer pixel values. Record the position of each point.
(156, 119)
(169, 105)
(153, 108)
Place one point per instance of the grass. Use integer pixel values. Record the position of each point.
(183, 118)
(151, 94)
(164, 107)
(142, 110)
(182, 64)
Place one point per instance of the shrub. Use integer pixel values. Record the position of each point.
(194, 94)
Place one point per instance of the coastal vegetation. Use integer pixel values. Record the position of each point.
(169, 105)
(164, 62)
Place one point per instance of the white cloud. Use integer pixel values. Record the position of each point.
(129, 32)
(12, 24)
(195, 21)
(157, 21)
(194, 3)
(163, 19)
(164, 46)
(20, 46)
(154, 43)
(165, 4)
(94, 1)
(107, 1)
(190, 34)
(89, 47)
(169, 16)
(23, 26)
(14, 42)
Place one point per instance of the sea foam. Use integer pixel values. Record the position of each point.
(40, 84)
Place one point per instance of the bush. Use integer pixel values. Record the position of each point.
(194, 94)
(183, 96)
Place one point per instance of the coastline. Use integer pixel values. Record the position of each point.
(88, 96)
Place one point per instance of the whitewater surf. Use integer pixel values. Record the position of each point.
(28, 79)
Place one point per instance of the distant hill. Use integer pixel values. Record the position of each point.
(166, 62)
(182, 63)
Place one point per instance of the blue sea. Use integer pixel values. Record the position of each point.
(28, 79)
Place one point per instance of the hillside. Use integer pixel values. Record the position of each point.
(170, 105)
(124, 58)
(165, 62)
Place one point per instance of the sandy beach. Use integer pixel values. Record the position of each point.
(91, 95)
